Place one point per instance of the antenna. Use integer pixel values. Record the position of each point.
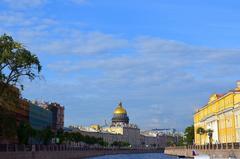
(105, 122)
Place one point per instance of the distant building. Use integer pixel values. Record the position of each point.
(164, 131)
(121, 130)
(161, 137)
(39, 118)
(57, 115)
(221, 115)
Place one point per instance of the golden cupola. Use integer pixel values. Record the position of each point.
(119, 109)
(120, 115)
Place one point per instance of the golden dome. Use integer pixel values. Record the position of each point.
(120, 109)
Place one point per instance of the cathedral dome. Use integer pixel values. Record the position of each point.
(120, 109)
(120, 115)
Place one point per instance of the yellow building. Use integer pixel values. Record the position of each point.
(221, 115)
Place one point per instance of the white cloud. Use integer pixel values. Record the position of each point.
(24, 4)
(84, 44)
(80, 1)
(152, 62)
(21, 21)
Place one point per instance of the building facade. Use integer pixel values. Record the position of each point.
(57, 115)
(221, 115)
(39, 118)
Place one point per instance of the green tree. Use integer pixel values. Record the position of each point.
(25, 132)
(200, 131)
(120, 144)
(16, 62)
(8, 127)
(181, 141)
(103, 143)
(46, 135)
(189, 135)
(60, 136)
(210, 134)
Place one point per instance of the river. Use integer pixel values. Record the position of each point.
(137, 156)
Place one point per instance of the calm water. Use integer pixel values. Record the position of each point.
(137, 156)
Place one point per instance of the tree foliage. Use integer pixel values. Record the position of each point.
(78, 137)
(8, 127)
(200, 131)
(189, 135)
(24, 132)
(46, 135)
(120, 144)
(210, 134)
(16, 62)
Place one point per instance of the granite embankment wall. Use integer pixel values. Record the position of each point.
(214, 151)
(76, 154)
(178, 152)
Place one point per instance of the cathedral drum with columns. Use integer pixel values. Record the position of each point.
(120, 116)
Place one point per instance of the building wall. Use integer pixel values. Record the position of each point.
(114, 130)
(57, 115)
(221, 115)
(237, 122)
(132, 136)
(39, 117)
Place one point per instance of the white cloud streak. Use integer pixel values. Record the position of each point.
(24, 4)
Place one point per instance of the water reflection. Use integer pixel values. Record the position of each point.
(137, 156)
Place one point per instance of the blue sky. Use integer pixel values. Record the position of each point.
(161, 58)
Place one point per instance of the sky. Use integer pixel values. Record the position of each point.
(161, 58)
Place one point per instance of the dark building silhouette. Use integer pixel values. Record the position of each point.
(57, 115)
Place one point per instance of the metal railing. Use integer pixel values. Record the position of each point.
(62, 147)
(222, 146)
(17, 148)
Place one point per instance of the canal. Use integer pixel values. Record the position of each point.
(136, 156)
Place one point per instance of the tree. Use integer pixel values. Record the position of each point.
(25, 132)
(120, 144)
(16, 62)
(46, 135)
(189, 135)
(180, 141)
(8, 127)
(210, 134)
(60, 135)
(200, 131)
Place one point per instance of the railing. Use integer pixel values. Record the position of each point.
(15, 148)
(222, 146)
(63, 147)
